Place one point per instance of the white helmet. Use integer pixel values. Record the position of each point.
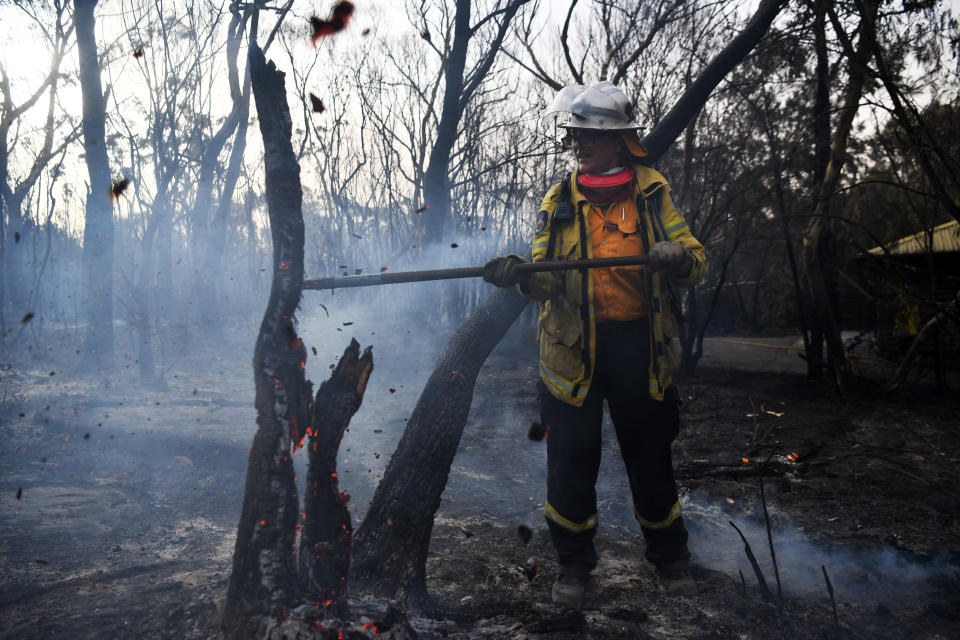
(595, 106)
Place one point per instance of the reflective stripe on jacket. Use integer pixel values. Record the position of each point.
(566, 329)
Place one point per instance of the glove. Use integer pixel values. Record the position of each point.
(502, 271)
(671, 257)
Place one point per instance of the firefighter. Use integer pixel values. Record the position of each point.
(607, 334)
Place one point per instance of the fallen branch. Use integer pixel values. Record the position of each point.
(692, 470)
(773, 555)
(833, 600)
(761, 581)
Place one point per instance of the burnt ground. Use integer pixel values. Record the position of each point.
(119, 503)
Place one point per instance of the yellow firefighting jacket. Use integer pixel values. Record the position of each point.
(566, 329)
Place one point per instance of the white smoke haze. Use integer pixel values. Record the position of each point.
(858, 572)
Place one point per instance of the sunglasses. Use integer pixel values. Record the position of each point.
(587, 136)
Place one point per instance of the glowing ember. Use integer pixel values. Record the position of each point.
(338, 20)
(793, 457)
(745, 460)
(118, 187)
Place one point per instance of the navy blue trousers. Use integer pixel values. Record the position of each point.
(645, 428)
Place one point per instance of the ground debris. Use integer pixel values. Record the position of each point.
(627, 615)
(371, 618)
(566, 621)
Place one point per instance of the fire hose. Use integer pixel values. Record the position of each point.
(425, 275)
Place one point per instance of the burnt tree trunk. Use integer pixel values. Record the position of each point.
(263, 583)
(324, 556)
(391, 544)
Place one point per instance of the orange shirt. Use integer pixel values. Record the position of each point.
(619, 293)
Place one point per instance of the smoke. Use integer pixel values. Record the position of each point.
(408, 326)
(858, 572)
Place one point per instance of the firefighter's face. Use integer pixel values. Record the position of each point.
(596, 151)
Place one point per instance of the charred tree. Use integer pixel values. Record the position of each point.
(812, 241)
(459, 88)
(392, 542)
(672, 125)
(324, 555)
(263, 582)
(14, 190)
(210, 231)
(98, 223)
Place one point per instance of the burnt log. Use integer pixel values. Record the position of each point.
(263, 582)
(390, 548)
(324, 554)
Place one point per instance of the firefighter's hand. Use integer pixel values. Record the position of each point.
(671, 257)
(502, 271)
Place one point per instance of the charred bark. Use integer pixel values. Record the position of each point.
(391, 544)
(324, 555)
(665, 133)
(263, 583)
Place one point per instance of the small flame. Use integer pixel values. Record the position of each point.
(793, 457)
(745, 460)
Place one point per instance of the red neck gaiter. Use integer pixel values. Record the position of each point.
(607, 187)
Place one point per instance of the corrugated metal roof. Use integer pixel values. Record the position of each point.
(945, 237)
